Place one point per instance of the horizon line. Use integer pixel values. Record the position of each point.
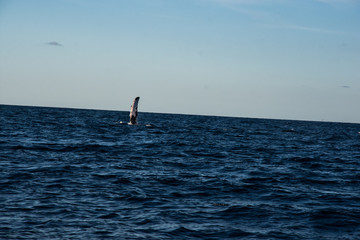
(191, 114)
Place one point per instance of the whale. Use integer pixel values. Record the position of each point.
(134, 111)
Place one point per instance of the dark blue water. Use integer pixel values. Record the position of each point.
(79, 174)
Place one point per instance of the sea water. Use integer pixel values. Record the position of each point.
(80, 174)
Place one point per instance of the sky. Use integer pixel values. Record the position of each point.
(281, 59)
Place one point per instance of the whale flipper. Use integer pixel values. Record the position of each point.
(134, 111)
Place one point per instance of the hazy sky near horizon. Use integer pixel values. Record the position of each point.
(286, 59)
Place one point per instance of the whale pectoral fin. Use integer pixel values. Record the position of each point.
(134, 111)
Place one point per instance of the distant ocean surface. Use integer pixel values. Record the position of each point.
(80, 174)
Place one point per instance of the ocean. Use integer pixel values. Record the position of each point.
(80, 174)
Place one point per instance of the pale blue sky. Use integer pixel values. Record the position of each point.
(286, 59)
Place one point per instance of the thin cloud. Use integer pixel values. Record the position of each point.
(244, 7)
(267, 2)
(247, 1)
(338, 1)
(282, 1)
(303, 28)
(56, 44)
(345, 86)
